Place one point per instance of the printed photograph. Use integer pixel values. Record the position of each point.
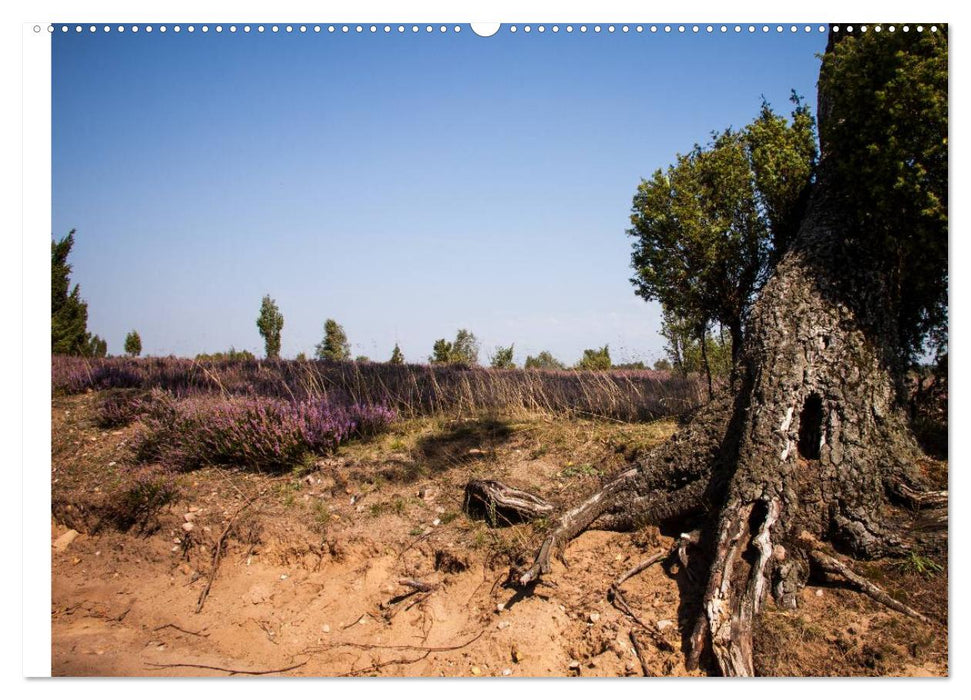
(520, 350)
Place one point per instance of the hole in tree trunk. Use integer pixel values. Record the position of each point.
(811, 427)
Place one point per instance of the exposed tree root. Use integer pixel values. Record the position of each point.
(833, 567)
(575, 521)
(502, 505)
(732, 604)
(915, 498)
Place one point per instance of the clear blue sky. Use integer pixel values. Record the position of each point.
(405, 185)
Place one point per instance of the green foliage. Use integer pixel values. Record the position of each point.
(270, 324)
(598, 359)
(69, 313)
(133, 344)
(663, 365)
(464, 350)
(885, 143)
(782, 157)
(397, 357)
(335, 345)
(580, 470)
(95, 346)
(638, 364)
(301, 357)
(362, 359)
(544, 360)
(502, 358)
(441, 352)
(916, 562)
(232, 355)
(683, 346)
(703, 229)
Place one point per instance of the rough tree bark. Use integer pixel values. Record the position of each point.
(810, 448)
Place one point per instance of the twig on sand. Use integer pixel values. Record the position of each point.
(396, 647)
(417, 585)
(231, 671)
(379, 666)
(218, 552)
(176, 627)
(639, 650)
(616, 596)
(425, 651)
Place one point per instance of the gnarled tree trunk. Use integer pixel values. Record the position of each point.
(809, 449)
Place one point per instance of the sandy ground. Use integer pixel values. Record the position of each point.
(309, 581)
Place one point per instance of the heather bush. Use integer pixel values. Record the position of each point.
(119, 408)
(142, 491)
(258, 433)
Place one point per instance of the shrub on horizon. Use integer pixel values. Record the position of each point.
(598, 359)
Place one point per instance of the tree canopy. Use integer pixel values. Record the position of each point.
(502, 358)
(397, 357)
(886, 157)
(544, 360)
(464, 350)
(598, 358)
(704, 229)
(270, 324)
(133, 344)
(335, 345)
(69, 313)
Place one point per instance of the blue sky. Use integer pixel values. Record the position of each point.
(405, 185)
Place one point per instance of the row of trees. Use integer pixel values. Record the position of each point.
(464, 349)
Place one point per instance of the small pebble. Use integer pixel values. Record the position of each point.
(507, 671)
(326, 629)
(819, 592)
(436, 521)
(188, 527)
(504, 625)
(664, 624)
(594, 617)
(476, 671)
(500, 607)
(283, 577)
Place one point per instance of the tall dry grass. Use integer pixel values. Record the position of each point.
(410, 390)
